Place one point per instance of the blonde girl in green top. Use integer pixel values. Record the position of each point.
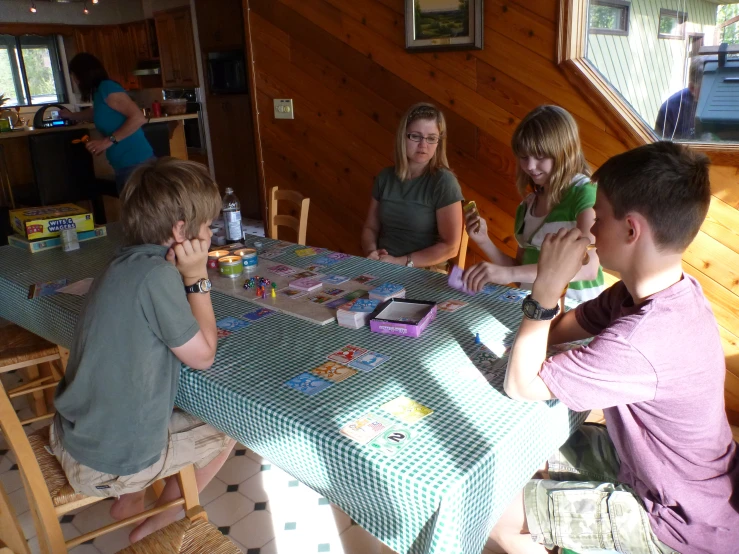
(554, 180)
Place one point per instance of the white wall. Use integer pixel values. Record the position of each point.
(105, 13)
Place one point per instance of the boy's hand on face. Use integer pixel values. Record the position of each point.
(479, 275)
(190, 258)
(561, 257)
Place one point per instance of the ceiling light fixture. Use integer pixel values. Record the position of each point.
(85, 10)
(95, 1)
(32, 9)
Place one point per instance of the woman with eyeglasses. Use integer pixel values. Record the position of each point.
(415, 213)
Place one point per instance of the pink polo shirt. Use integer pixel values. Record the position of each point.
(657, 370)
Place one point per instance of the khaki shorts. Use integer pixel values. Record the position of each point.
(583, 506)
(190, 442)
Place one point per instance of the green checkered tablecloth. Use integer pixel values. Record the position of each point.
(443, 492)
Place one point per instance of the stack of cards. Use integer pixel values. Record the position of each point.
(306, 284)
(386, 291)
(455, 280)
(357, 314)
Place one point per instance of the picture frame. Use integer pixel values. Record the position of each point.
(443, 25)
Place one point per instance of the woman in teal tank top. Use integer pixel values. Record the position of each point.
(115, 115)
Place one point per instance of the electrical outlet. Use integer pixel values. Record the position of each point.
(284, 108)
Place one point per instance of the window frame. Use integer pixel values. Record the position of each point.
(625, 17)
(18, 67)
(625, 122)
(682, 19)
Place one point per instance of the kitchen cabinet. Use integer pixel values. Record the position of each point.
(176, 48)
(221, 29)
(119, 48)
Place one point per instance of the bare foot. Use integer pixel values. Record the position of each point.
(154, 523)
(128, 505)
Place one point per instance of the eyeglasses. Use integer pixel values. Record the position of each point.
(418, 137)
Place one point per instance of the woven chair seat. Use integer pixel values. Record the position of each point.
(184, 537)
(18, 345)
(60, 490)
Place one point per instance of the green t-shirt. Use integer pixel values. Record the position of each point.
(408, 209)
(116, 398)
(579, 197)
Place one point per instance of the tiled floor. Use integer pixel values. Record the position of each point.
(260, 507)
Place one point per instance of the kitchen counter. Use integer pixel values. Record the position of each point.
(87, 125)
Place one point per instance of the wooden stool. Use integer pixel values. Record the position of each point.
(40, 363)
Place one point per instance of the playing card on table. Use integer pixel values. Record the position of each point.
(325, 260)
(484, 359)
(269, 254)
(222, 333)
(347, 354)
(407, 410)
(364, 305)
(369, 361)
(358, 293)
(365, 278)
(314, 267)
(231, 324)
(451, 305)
(333, 292)
(291, 293)
(281, 269)
(281, 245)
(336, 303)
(513, 295)
(392, 441)
(258, 314)
(320, 298)
(303, 252)
(334, 279)
(365, 428)
(338, 256)
(333, 371)
(304, 274)
(308, 384)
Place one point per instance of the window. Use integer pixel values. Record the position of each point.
(609, 17)
(30, 72)
(672, 24)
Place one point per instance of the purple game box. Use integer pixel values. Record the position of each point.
(403, 317)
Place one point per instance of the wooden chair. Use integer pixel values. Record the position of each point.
(461, 256)
(50, 495)
(298, 224)
(40, 363)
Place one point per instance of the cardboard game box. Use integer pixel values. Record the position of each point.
(47, 221)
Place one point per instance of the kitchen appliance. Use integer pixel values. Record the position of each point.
(147, 67)
(226, 72)
(194, 137)
(40, 121)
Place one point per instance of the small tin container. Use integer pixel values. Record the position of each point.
(214, 256)
(230, 266)
(248, 258)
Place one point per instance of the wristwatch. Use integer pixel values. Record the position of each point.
(203, 285)
(533, 310)
(408, 261)
(112, 139)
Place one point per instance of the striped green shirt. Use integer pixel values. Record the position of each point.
(579, 197)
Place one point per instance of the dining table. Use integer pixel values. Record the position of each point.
(463, 462)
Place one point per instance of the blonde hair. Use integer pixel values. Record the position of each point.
(422, 110)
(160, 193)
(549, 132)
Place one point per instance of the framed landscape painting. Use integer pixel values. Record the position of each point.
(433, 25)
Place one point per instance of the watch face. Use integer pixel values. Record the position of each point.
(529, 308)
(204, 285)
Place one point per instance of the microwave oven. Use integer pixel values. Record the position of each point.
(227, 72)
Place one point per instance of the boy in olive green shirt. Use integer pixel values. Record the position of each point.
(116, 430)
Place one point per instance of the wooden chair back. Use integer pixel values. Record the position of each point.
(461, 256)
(298, 224)
(48, 530)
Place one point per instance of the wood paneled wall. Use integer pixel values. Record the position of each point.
(344, 64)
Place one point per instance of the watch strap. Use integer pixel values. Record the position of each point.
(113, 139)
